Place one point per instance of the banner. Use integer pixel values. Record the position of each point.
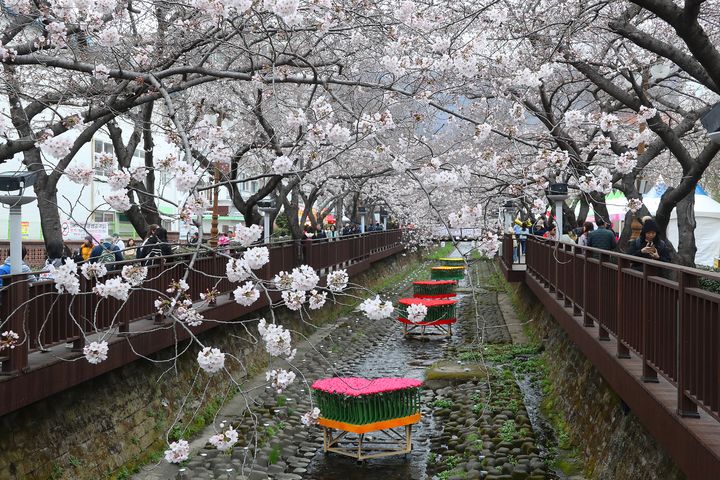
(25, 229)
(78, 232)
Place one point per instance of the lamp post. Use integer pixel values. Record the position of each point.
(362, 211)
(711, 122)
(557, 192)
(508, 210)
(10, 182)
(266, 206)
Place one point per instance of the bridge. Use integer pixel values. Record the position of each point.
(652, 330)
(41, 364)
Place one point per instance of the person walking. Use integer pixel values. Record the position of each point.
(602, 237)
(107, 252)
(649, 244)
(130, 249)
(118, 242)
(86, 248)
(156, 245)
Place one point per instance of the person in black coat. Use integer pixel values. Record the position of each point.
(649, 244)
(156, 245)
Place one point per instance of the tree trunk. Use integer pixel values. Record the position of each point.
(47, 205)
(686, 248)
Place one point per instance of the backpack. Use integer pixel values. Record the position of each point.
(107, 256)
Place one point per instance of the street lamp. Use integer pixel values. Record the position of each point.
(711, 122)
(362, 211)
(266, 206)
(10, 182)
(508, 210)
(557, 192)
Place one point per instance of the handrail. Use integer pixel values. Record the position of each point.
(670, 323)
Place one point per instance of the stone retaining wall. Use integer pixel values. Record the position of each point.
(614, 442)
(104, 427)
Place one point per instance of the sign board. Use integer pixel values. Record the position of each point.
(25, 229)
(75, 231)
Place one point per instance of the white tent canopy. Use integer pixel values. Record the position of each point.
(707, 218)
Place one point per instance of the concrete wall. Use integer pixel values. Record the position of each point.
(614, 442)
(107, 426)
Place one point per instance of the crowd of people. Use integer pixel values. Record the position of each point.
(112, 249)
(645, 242)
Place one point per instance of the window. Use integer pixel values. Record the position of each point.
(100, 147)
(254, 186)
(108, 217)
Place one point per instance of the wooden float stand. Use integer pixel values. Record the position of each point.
(395, 441)
(354, 407)
(441, 314)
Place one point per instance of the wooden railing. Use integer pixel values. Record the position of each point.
(44, 318)
(655, 310)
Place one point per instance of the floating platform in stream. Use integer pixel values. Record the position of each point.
(350, 408)
(447, 273)
(439, 319)
(452, 262)
(434, 288)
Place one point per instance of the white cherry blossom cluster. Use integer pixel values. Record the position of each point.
(93, 270)
(166, 163)
(82, 175)
(304, 278)
(488, 244)
(118, 180)
(8, 339)
(119, 200)
(113, 287)
(337, 281)
(226, 440)
(601, 181)
(105, 160)
(574, 118)
(101, 72)
(178, 452)
(134, 274)
(311, 417)
(189, 315)
(283, 281)
(212, 360)
(293, 299)
(625, 162)
(337, 135)
(316, 299)
(538, 207)
(237, 270)
(376, 309)
(194, 205)
(178, 286)
(138, 174)
(57, 147)
(482, 132)
(185, 177)
(634, 204)
(280, 379)
(282, 165)
(609, 122)
(466, 217)
(416, 312)
(246, 294)
(247, 235)
(646, 113)
(96, 352)
(109, 37)
(65, 277)
(277, 340)
(256, 257)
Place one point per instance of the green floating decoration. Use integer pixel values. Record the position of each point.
(452, 262)
(447, 273)
(438, 310)
(434, 288)
(359, 401)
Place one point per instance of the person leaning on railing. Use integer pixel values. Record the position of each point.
(649, 244)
